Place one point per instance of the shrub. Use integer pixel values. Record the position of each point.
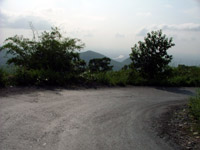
(53, 59)
(111, 78)
(43, 77)
(100, 65)
(185, 76)
(118, 77)
(2, 80)
(194, 105)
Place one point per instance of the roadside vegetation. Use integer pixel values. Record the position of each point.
(194, 106)
(2, 78)
(51, 59)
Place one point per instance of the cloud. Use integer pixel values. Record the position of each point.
(183, 27)
(168, 6)
(191, 27)
(180, 27)
(142, 32)
(198, 1)
(144, 14)
(119, 57)
(91, 17)
(118, 35)
(89, 35)
(19, 21)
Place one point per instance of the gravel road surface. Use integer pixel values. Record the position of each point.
(88, 119)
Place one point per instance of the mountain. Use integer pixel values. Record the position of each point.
(84, 55)
(120, 58)
(3, 58)
(127, 61)
(88, 55)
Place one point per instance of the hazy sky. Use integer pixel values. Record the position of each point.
(111, 27)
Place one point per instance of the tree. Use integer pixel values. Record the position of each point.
(50, 53)
(100, 65)
(150, 57)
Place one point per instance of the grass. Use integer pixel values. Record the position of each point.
(194, 106)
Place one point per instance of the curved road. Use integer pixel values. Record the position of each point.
(102, 119)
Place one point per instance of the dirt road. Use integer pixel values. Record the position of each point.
(102, 119)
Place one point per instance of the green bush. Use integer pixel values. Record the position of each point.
(194, 105)
(50, 60)
(118, 77)
(185, 76)
(135, 78)
(2, 80)
(111, 78)
(102, 78)
(43, 77)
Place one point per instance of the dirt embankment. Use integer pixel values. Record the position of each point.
(179, 128)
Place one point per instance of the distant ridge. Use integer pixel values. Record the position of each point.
(127, 61)
(3, 58)
(88, 55)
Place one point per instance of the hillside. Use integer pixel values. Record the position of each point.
(127, 61)
(88, 55)
(3, 58)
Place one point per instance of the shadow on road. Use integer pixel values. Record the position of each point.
(176, 90)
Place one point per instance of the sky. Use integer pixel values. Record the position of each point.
(110, 27)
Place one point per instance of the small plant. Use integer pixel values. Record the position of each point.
(2, 83)
(194, 106)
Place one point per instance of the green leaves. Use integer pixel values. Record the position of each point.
(194, 105)
(51, 53)
(100, 65)
(150, 57)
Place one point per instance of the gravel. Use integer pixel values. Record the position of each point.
(85, 119)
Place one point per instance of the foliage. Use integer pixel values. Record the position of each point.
(185, 76)
(150, 57)
(54, 60)
(114, 78)
(180, 77)
(194, 105)
(50, 57)
(24, 77)
(119, 77)
(111, 78)
(100, 64)
(2, 76)
(135, 78)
